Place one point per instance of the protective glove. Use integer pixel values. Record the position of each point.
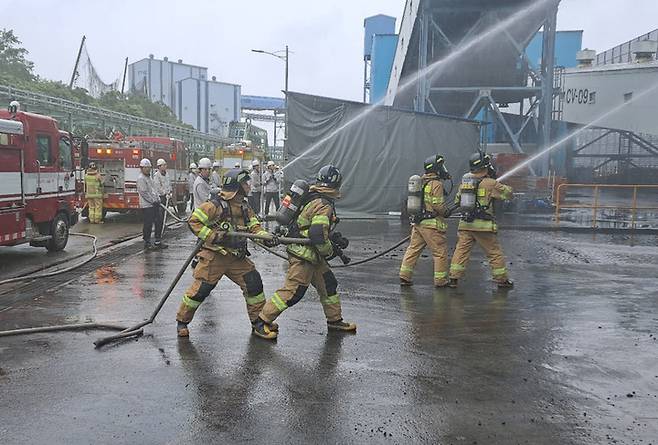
(219, 237)
(271, 242)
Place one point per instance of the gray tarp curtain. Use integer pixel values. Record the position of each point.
(376, 154)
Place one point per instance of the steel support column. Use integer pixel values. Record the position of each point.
(422, 90)
(548, 79)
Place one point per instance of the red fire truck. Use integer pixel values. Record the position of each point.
(37, 180)
(118, 163)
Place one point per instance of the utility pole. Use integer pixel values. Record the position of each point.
(285, 130)
(77, 61)
(123, 82)
(285, 117)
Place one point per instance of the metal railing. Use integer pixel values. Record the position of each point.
(67, 106)
(596, 203)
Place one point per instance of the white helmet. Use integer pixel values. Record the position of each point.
(270, 163)
(193, 165)
(205, 163)
(145, 163)
(161, 162)
(216, 164)
(255, 163)
(237, 165)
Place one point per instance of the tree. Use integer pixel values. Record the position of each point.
(12, 57)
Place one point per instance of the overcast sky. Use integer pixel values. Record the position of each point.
(326, 37)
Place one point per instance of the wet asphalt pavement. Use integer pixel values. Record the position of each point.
(570, 356)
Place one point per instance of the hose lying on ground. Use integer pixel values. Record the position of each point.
(137, 329)
(57, 272)
(356, 263)
(65, 327)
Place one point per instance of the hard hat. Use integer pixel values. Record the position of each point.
(161, 162)
(216, 164)
(205, 163)
(478, 162)
(255, 163)
(145, 163)
(238, 165)
(270, 163)
(232, 180)
(329, 176)
(14, 106)
(92, 165)
(193, 165)
(436, 164)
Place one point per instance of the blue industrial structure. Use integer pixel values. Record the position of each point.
(567, 45)
(263, 103)
(382, 55)
(486, 40)
(375, 25)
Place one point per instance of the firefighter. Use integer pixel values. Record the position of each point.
(308, 264)
(162, 183)
(191, 177)
(429, 227)
(478, 225)
(223, 255)
(149, 202)
(215, 177)
(202, 186)
(94, 194)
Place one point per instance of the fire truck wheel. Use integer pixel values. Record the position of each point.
(59, 230)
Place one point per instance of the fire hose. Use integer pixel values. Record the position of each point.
(138, 328)
(57, 272)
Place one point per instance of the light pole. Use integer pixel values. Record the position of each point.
(285, 58)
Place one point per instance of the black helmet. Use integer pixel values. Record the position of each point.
(233, 178)
(478, 162)
(436, 164)
(329, 176)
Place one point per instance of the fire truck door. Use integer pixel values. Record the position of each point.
(65, 173)
(12, 207)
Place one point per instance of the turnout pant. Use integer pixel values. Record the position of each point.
(489, 243)
(95, 209)
(269, 197)
(210, 269)
(300, 275)
(436, 241)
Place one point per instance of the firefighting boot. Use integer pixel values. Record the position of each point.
(263, 330)
(507, 284)
(274, 326)
(453, 282)
(182, 329)
(405, 283)
(160, 245)
(340, 325)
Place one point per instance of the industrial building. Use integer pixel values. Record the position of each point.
(207, 105)
(156, 79)
(529, 83)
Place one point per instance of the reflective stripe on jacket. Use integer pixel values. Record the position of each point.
(488, 190)
(93, 184)
(317, 212)
(434, 201)
(205, 221)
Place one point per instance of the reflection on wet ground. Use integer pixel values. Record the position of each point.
(568, 356)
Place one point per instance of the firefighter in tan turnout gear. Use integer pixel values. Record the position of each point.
(308, 263)
(428, 226)
(94, 194)
(477, 193)
(223, 255)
